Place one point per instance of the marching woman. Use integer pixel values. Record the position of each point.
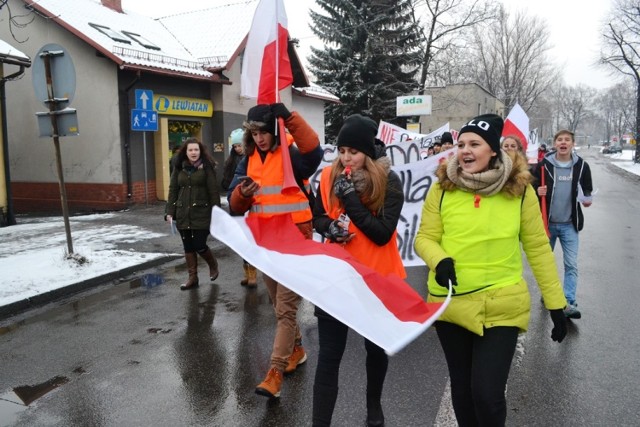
(358, 206)
(473, 222)
(236, 154)
(193, 191)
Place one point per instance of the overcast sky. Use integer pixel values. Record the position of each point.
(574, 26)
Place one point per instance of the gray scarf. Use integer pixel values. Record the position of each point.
(486, 183)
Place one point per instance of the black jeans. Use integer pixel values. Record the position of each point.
(332, 337)
(194, 240)
(479, 369)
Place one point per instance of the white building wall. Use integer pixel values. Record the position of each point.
(92, 157)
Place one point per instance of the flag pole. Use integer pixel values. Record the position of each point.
(543, 204)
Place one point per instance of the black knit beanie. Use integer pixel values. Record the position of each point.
(488, 126)
(358, 132)
(260, 117)
(446, 137)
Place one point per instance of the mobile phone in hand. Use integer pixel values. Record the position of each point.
(245, 180)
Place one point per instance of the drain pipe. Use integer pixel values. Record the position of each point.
(10, 218)
(124, 119)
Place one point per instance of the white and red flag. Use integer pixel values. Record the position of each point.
(266, 62)
(384, 309)
(517, 123)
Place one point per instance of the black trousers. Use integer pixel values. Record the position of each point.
(479, 369)
(332, 337)
(194, 240)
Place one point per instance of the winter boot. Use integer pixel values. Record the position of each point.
(192, 269)
(298, 357)
(375, 417)
(213, 264)
(252, 276)
(245, 267)
(271, 385)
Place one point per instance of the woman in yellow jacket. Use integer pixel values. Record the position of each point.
(473, 222)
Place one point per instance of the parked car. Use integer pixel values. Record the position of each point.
(612, 149)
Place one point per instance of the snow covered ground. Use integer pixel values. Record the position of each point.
(32, 254)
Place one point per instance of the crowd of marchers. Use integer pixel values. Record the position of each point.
(488, 204)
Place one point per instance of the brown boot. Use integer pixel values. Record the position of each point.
(252, 276)
(245, 267)
(213, 264)
(192, 269)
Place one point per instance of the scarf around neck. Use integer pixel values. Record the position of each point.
(486, 183)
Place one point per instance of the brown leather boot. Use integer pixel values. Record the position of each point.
(212, 262)
(192, 269)
(245, 267)
(252, 276)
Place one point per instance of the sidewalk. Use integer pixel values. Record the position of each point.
(35, 270)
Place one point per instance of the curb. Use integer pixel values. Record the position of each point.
(39, 300)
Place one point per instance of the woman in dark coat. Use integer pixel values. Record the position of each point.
(193, 191)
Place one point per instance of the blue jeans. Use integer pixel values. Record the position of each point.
(569, 241)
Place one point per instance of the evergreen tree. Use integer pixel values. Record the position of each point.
(370, 57)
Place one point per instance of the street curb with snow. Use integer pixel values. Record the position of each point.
(44, 298)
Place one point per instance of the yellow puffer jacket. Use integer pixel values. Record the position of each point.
(491, 306)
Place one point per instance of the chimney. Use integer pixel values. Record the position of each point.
(113, 5)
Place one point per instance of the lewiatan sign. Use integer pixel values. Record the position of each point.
(182, 106)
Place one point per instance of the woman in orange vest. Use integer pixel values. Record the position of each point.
(358, 206)
(257, 188)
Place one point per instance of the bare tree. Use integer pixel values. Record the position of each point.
(510, 59)
(621, 49)
(574, 105)
(443, 23)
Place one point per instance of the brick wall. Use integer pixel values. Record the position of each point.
(81, 197)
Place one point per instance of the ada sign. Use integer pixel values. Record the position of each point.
(144, 120)
(414, 105)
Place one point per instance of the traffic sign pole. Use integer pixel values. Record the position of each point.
(144, 149)
(53, 105)
(144, 118)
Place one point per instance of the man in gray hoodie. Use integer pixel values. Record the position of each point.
(568, 185)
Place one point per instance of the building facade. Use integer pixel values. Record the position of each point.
(115, 54)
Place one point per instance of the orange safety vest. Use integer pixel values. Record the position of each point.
(384, 259)
(269, 200)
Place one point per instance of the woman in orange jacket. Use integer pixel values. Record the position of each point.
(358, 206)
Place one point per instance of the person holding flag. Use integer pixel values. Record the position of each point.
(358, 206)
(561, 177)
(474, 220)
(258, 188)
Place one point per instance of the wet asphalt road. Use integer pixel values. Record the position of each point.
(141, 352)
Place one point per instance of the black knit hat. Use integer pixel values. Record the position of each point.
(358, 132)
(488, 126)
(260, 117)
(446, 137)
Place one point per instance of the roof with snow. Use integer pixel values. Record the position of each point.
(130, 40)
(11, 55)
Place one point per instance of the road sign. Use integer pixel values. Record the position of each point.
(144, 99)
(144, 120)
(62, 73)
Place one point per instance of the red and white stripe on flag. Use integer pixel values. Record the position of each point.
(266, 53)
(517, 123)
(384, 309)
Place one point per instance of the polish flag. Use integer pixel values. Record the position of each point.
(266, 55)
(517, 123)
(384, 309)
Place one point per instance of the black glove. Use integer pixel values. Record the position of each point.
(446, 272)
(336, 232)
(559, 320)
(343, 186)
(279, 110)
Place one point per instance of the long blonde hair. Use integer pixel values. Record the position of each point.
(370, 183)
